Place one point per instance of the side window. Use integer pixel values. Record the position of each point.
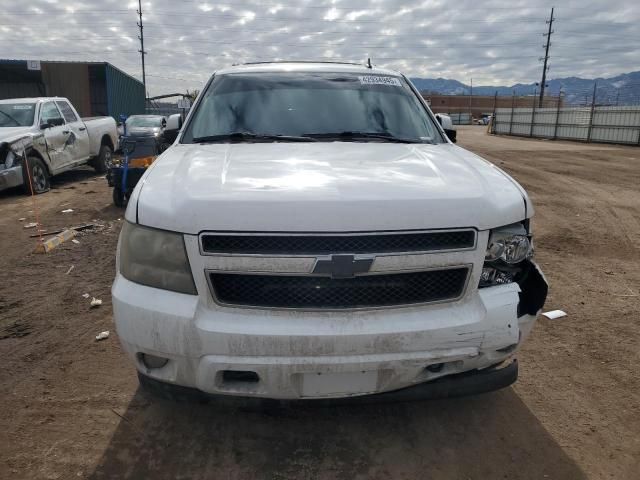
(67, 112)
(50, 112)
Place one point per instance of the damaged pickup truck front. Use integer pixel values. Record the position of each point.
(47, 135)
(314, 234)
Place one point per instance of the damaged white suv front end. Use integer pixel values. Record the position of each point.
(287, 260)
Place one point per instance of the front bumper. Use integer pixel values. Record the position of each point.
(315, 355)
(456, 385)
(10, 177)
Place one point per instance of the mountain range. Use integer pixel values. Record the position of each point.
(622, 89)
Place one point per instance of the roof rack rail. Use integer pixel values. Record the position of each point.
(299, 61)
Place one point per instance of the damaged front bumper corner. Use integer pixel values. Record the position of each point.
(11, 157)
(10, 177)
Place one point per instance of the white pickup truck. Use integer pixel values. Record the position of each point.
(314, 234)
(50, 134)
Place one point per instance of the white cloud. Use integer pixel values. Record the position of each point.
(495, 41)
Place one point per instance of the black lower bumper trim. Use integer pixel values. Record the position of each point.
(462, 384)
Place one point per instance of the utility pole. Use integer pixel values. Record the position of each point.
(142, 52)
(546, 57)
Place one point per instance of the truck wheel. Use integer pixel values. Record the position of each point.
(118, 197)
(39, 176)
(104, 160)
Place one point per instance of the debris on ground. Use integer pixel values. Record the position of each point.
(70, 270)
(79, 228)
(85, 226)
(21, 219)
(102, 335)
(51, 243)
(554, 314)
(77, 242)
(95, 302)
(85, 295)
(68, 210)
(31, 225)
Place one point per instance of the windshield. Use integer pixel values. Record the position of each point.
(320, 106)
(144, 122)
(17, 114)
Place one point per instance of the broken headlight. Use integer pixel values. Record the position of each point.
(155, 258)
(507, 249)
(10, 159)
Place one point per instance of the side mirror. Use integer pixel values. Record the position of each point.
(51, 122)
(174, 122)
(452, 134)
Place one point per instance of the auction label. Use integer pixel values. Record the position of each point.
(376, 80)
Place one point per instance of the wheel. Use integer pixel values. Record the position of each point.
(104, 160)
(39, 176)
(118, 197)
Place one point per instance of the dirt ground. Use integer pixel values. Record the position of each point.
(70, 407)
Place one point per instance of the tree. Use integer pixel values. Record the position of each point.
(193, 94)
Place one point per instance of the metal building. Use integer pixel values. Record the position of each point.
(94, 88)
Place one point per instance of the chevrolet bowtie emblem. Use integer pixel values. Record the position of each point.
(342, 266)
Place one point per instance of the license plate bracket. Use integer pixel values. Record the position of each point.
(337, 384)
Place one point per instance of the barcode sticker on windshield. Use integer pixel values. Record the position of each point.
(374, 80)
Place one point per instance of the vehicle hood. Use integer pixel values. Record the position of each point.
(324, 187)
(11, 133)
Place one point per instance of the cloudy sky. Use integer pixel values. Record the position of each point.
(493, 42)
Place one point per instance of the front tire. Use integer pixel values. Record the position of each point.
(118, 197)
(104, 160)
(38, 174)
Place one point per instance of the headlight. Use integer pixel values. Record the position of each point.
(155, 258)
(510, 244)
(9, 160)
(504, 260)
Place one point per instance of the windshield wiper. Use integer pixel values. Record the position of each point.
(363, 135)
(244, 136)
(11, 118)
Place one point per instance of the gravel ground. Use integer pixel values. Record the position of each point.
(71, 407)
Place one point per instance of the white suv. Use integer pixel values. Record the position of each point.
(314, 234)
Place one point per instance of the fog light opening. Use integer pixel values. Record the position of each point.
(240, 376)
(435, 368)
(152, 361)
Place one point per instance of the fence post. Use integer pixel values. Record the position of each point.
(555, 129)
(513, 99)
(493, 117)
(533, 116)
(593, 106)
